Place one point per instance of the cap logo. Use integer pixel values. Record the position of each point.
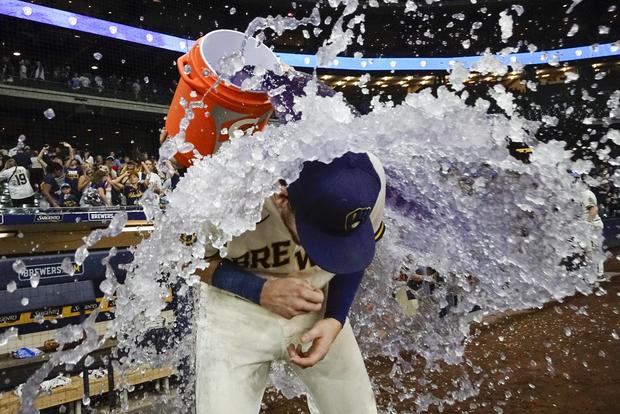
(356, 217)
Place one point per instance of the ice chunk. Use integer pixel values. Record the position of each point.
(572, 6)
(573, 30)
(458, 75)
(505, 24)
(571, 77)
(35, 278)
(518, 8)
(7, 335)
(49, 113)
(67, 266)
(410, 6)
(19, 267)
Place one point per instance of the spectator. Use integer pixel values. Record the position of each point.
(64, 74)
(117, 163)
(111, 196)
(24, 68)
(22, 157)
(73, 171)
(86, 178)
(74, 82)
(7, 72)
(67, 197)
(99, 83)
(18, 178)
(171, 176)
(96, 193)
(36, 169)
(136, 88)
(129, 167)
(85, 80)
(112, 168)
(99, 160)
(149, 175)
(131, 187)
(88, 159)
(134, 189)
(50, 188)
(39, 71)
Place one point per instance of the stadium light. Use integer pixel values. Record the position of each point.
(64, 19)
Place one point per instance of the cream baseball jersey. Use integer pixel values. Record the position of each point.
(269, 250)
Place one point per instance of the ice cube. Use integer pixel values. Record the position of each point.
(19, 266)
(49, 113)
(34, 280)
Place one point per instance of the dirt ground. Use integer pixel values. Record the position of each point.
(564, 358)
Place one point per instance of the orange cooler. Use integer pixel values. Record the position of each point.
(229, 108)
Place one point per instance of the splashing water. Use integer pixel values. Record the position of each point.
(456, 202)
(496, 230)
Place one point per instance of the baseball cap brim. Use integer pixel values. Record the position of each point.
(338, 254)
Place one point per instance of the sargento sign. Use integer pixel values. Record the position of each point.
(48, 218)
(49, 270)
(101, 216)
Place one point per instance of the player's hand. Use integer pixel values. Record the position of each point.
(322, 335)
(290, 297)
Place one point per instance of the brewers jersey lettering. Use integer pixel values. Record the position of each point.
(269, 250)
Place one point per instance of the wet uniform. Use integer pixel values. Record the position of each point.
(237, 340)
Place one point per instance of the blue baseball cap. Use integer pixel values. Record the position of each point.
(332, 204)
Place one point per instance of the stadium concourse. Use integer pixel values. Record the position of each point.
(373, 206)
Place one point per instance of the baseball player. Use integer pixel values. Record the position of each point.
(284, 291)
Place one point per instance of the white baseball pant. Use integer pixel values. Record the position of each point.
(236, 342)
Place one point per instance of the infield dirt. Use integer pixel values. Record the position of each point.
(562, 359)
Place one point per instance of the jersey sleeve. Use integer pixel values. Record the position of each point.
(376, 215)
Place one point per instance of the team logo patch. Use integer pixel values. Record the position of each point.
(356, 217)
(47, 218)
